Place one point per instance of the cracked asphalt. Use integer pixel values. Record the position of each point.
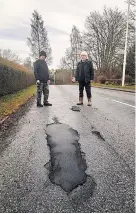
(107, 140)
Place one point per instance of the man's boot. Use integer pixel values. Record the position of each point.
(89, 102)
(47, 103)
(39, 105)
(80, 101)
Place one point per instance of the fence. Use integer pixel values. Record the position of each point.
(62, 77)
(119, 81)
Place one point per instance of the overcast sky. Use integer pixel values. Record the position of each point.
(59, 16)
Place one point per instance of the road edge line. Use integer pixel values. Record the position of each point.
(115, 89)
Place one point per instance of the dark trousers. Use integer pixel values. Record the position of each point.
(87, 86)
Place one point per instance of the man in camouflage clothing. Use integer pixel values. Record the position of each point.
(41, 73)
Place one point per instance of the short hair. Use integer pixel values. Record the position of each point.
(43, 53)
(84, 53)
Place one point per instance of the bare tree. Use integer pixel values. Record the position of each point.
(67, 62)
(131, 35)
(8, 54)
(130, 64)
(28, 63)
(64, 64)
(104, 37)
(39, 38)
(72, 54)
(132, 10)
(76, 44)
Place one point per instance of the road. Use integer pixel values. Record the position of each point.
(103, 137)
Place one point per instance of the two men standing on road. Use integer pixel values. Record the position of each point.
(41, 73)
(84, 75)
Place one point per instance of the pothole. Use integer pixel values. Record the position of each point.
(84, 192)
(55, 120)
(75, 108)
(98, 134)
(95, 108)
(48, 165)
(67, 164)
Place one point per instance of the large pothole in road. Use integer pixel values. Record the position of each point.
(67, 165)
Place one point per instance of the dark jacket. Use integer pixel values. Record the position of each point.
(88, 71)
(41, 71)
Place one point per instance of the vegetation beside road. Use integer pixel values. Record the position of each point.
(131, 87)
(11, 103)
(14, 77)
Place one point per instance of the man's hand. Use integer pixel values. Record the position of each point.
(49, 82)
(73, 79)
(38, 81)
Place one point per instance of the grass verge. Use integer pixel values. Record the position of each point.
(12, 102)
(131, 87)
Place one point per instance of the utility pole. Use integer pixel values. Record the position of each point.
(125, 51)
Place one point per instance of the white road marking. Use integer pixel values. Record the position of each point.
(123, 103)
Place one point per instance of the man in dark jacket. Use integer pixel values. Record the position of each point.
(41, 73)
(84, 75)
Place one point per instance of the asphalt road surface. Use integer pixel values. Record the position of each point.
(54, 159)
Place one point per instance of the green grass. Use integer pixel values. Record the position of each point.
(12, 102)
(132, 87)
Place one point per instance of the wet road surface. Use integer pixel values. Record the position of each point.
(35, 172)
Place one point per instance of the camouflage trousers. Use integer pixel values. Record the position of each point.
(42, 88)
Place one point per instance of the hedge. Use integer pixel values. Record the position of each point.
(14, 77)
(114, 81)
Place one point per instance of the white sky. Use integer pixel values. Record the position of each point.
(59, 16)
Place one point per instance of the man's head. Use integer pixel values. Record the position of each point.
(43, 55)
(84, 55)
